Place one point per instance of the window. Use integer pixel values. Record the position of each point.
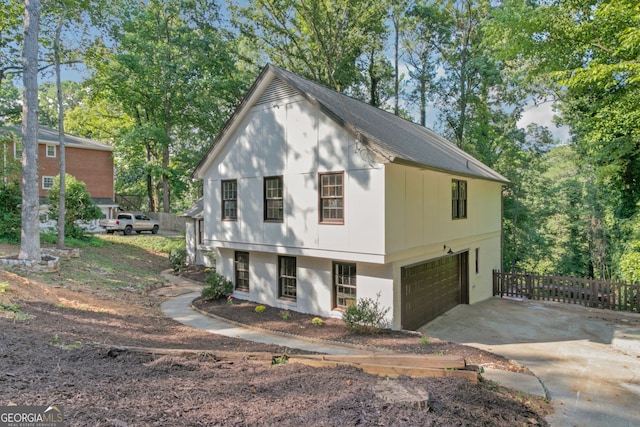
(458, 199)
(200, 231)
(477, 260)
(51, 150)
(273, 201)
(47, 182)
(344, 284)
(287, 277)
(242, 271)
(230, 200)
(17, 150)
(332, 198)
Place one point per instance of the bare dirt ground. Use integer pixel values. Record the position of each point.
(57, 347)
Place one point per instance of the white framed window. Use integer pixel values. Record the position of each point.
(47, 182)
(51, 150)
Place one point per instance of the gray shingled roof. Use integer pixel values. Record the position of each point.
(196, 210)
(400, 140)
(47, 135)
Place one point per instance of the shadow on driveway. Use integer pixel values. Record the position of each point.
(588, 359)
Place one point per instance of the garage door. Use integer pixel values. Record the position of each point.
(432, 288)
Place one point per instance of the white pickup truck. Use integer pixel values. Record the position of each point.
(127, 223)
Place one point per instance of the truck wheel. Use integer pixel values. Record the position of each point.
(127, 230)
(154, 230)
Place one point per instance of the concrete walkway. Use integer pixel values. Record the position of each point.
(588, 359)
(183, 292)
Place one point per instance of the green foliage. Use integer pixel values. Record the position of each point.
(316, 321)
(10, 212)
(3, 287)
(178, 259)
(366, 316)
(216, 286)
(84, 242)
(285, 314)
(78, 205)
(260, 309)
(630, 267)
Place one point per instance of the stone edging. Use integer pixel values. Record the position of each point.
(290, 335)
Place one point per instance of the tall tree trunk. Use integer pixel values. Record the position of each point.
(62, 195)
(396, 82)
(150, 192)
(30, 230)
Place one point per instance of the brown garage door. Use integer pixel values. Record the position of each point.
(432, 288)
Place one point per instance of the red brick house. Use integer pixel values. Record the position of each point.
(89, 161)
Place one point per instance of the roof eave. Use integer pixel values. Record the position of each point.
(498, 178)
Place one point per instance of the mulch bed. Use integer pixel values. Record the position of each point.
(61, 355)
(300, 324)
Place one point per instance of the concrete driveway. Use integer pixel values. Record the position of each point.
(588, 359)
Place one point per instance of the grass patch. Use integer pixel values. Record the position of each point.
(12, 311)
(117, 263)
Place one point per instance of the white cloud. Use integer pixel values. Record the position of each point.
(542, 114)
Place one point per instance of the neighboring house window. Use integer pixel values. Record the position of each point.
(477, 260)
(458, 199)
(51, 150)
(287, 277)
(200, 231)
(332, 198)
(47, 182)
(242, 271)
(17, 150)
(344, 284)
(273, 199)
(230, 200)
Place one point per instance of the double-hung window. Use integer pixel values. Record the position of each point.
(47, 182)
(344, 284)
(51, 150)
(458, 199)
(332, 198)
(17, 150)
(287, 277)
(241, 271)
(230, 200)
(273, 199)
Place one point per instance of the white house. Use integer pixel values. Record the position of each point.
(313, 200)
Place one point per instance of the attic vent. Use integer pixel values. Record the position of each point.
(277, 90)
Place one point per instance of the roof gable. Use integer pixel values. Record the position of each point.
(390, 137)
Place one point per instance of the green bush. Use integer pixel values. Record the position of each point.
(178, 259)
(366, 316)
(216, 286)
(10, 212)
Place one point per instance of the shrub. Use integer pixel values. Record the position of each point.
(316, 321)
(216, 286)
(178, 259)
(10, 212)
(366, 316)
(260, 309)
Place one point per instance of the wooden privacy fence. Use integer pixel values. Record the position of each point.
(573, 290)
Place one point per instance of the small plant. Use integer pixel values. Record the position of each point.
(230, 300)
(3, 287)
(260, 309)
(216, 286)
(178, 259)
(424, 339)
(61, 344)
(366, 316)
(316, 321)
(285, 314)
(279, 360)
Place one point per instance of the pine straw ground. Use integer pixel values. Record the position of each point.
(57, 347)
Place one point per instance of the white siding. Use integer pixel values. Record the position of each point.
(295, 140)
(314, 282)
